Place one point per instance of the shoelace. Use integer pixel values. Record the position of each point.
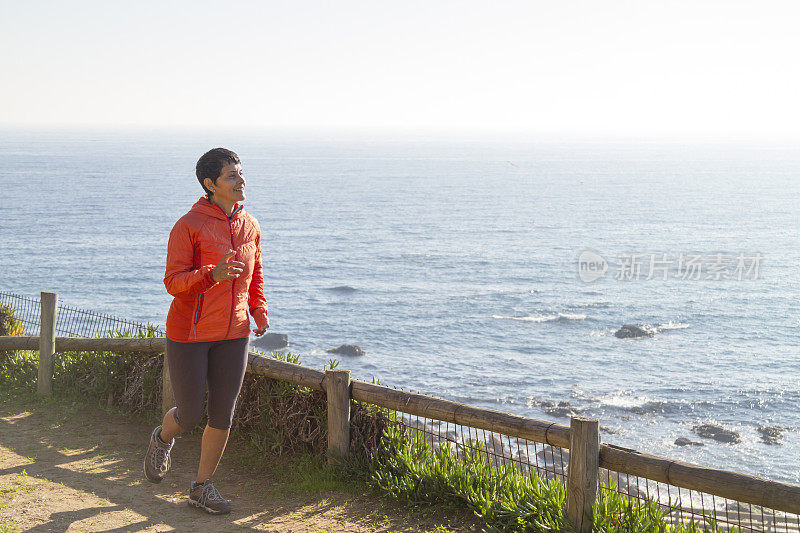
(210, 493)
(161, 459)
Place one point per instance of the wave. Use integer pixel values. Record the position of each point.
(672, 325)
(622, 400)
(420, 256)
(544, 318)
(342, 289)
(598, 304)
(627, 402)
(572, 316)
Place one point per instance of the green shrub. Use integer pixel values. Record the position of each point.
(406, 467)
(10, 325)
(614, 513)
(281, 417)
(131, 380)
(17, 368)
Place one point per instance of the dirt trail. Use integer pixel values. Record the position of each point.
(77, 468)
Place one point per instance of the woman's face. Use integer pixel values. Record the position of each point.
(229, 188)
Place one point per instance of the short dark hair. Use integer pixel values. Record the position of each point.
(210, 165)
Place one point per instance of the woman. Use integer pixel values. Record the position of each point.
(214, 273)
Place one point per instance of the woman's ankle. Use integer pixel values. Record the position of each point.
(161, 438)
(169, 426)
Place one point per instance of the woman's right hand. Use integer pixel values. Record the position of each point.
(227, 269)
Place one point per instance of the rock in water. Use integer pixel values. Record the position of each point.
(683, 441)
(771, 434)
(717, 433)
(270, 341)
(554, 456)
(347, 349)
(561, 409)
(629, 331)
(495, 445)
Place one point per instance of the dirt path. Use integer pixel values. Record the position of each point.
(69, 467)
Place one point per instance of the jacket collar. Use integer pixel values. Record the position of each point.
(213, 210)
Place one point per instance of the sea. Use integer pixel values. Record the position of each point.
(489, 272)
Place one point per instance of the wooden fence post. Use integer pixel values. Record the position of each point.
(337, 386)
(47, 342)
(583, 470)
(167, 396)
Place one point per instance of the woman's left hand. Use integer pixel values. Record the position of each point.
(259, 332)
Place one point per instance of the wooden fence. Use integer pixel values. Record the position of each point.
(587, 454)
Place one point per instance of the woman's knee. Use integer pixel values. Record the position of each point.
(188, 419)
(220, 421)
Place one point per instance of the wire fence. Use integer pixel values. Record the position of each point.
(683, 506)
(680, 505)
(549, 462)
(70, 321)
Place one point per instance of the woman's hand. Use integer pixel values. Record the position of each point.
(227, 269)
(259, 332)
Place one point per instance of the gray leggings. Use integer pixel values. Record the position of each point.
(221, 364)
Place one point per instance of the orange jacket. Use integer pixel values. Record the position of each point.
(204, 310)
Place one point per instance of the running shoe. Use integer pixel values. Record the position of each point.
(157, 460)
(205, 496)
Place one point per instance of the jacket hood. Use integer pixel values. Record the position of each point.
(213, 210)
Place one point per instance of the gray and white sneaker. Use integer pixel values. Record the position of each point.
(205, 496)
(157, 460)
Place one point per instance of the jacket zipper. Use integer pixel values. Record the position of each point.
(197, 312)
(233, 283)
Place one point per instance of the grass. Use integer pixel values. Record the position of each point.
(303, 475)
(7, 491)
(15, 485)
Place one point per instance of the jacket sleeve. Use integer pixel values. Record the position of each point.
(257, 300)
(181, 278)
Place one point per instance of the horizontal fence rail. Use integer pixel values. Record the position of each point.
(548, 461)
(462, 414)
(80, 344)
(746, 502)
(730, 485)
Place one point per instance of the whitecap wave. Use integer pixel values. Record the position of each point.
(537, 318)
(622, 399)
(544, 318)
(572, 316)
(598, 304)
(673, 325)
(628, 401)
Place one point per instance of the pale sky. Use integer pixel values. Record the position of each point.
(679, 69)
